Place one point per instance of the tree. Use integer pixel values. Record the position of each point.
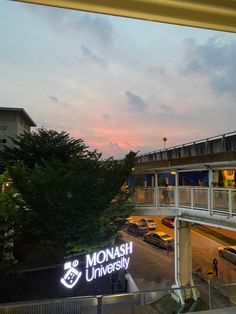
(44, 145)
(73, 196)
(11, 208)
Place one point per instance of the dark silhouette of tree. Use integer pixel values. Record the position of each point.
(44, 145)
(73, 197)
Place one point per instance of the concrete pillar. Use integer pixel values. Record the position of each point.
(183, 261)
(184, 252)
(156, 190)
(153, 181)
(210, 191)
(177, 189)
(210, 177)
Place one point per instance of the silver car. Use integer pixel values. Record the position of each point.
(149, 223)
(228, 252)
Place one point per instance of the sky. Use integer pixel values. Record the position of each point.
(119, 84)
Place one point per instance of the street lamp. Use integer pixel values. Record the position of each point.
(164, 140)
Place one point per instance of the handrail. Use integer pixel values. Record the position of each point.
(188, 144)
(6, 306)
(213, 200)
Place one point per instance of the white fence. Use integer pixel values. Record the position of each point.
(215, 200)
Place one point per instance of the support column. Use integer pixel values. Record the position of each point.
(210, 191)
(184, 252)
(176, 189)
(156, 190)
(210, 177)
(183, 261)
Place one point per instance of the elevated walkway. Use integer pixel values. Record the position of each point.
(212, 159)
(213, 151)
(212, 206)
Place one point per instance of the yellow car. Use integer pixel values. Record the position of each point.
(160, 239)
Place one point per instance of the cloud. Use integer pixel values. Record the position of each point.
(158, 70)
(57, 101)
(91, 57)
(142, 149)
(96, 26)
(166, 108)
(115, 149)
(106, 116)
(136, 102)
(53, 98)
(214, 60)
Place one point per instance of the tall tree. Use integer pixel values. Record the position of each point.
(12, 208)
(44, 145)
(72, 195)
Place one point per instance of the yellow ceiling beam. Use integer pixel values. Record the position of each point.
(211, 14)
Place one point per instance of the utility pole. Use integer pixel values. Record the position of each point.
(164, 140)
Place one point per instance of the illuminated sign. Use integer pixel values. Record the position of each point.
(72, 275)
(98, 264)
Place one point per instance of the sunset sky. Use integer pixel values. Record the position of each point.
(117, 83)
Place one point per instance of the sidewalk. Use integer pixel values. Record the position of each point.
(221, 296)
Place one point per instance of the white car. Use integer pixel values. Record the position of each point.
(150, 223)
(228, 252)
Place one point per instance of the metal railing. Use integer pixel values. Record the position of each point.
(219, 143)
(214, 200)
(128, 303)
(85, 305)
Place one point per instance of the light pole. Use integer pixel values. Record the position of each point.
(164, 140)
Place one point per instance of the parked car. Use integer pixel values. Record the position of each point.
(228, 252)
(136, 229)
(168, 221)
(149, 223)
(130, 220)
(160, 239)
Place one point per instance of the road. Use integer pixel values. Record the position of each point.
(153, 267)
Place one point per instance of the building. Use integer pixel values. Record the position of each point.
(13, 122)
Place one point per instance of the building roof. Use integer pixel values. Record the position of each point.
(21, 111)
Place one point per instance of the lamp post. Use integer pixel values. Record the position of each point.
(164, 140)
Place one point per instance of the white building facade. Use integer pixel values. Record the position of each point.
(13, 122)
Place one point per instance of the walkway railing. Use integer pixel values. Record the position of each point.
(220, 143)
(128, 303)
(214, 200)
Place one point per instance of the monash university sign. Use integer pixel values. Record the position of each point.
(98, 264)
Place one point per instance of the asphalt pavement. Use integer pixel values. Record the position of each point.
(153, 268)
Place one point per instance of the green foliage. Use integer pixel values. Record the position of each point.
(43, 145)
(4, 177)
(12, 209)
(72, 202)
(73, 197)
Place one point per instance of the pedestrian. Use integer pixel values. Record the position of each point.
(165, 194)
(215, 266)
